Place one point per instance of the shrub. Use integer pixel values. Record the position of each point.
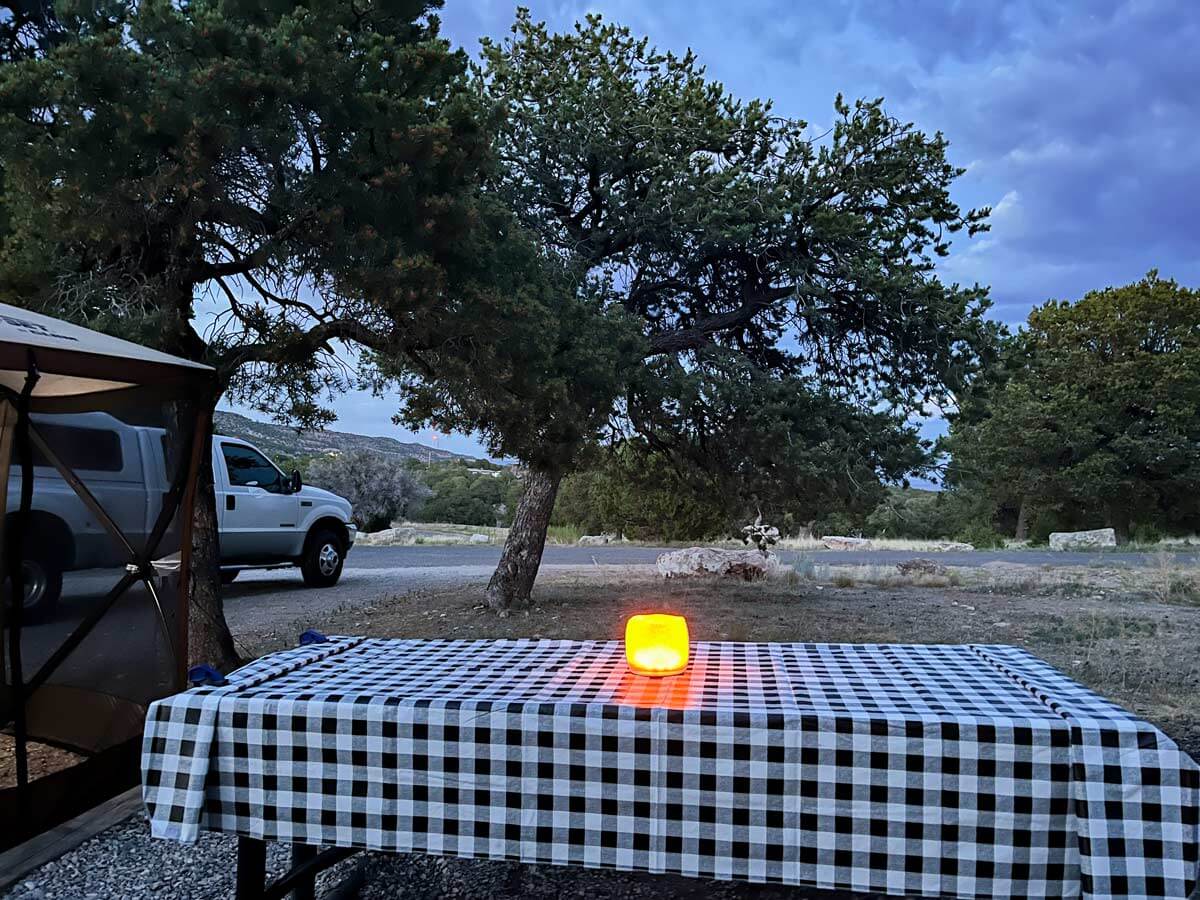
(981, 535)
(1145, 534)
(464, 494)
(379, 489)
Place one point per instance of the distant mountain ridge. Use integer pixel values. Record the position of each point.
(282, 440)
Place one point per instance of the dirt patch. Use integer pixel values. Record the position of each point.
(43, 760)
(1110, 636)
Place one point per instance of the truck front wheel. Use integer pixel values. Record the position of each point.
(324, 554)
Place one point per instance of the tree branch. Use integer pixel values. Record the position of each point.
(697, 335)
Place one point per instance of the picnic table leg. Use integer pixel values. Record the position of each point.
(307, 890)
(251, 868)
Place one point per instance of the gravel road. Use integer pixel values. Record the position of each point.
(425, 556)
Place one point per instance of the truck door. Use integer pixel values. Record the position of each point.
(258, 514)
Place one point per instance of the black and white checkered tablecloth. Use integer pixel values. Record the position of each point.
(925, 770)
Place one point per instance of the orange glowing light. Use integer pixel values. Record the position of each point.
(656, 644)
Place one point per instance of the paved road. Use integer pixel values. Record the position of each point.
(278, 599)
(432, 556)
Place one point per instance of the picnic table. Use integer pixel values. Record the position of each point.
(969, 771)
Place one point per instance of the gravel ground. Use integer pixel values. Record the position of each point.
(124, 863)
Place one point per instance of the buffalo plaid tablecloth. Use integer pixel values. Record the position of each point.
(971, 771)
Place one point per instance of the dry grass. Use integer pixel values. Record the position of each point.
(877, 576)
(803, 542)
(1166, 581)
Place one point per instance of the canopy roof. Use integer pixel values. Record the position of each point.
(74, 361)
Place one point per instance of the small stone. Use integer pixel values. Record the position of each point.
(921, 567)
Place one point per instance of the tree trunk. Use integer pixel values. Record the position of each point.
(209, 639)
(1117, 518)
(1023, 521)
(512, 582)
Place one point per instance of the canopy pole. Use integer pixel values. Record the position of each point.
(16, 542)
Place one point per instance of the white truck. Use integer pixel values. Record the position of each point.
(265, 519)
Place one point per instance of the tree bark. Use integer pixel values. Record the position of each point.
(512, 582)
(1023, 520)
(1117, 518)
(209, 639)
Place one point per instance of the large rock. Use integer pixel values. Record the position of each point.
(480, 539)
(597, 540)
(748, 565)
(1083, 540)
(951, 546)
(838, 542)
(388, 537)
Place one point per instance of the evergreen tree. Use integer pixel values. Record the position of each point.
(686, 234)
(241, 183)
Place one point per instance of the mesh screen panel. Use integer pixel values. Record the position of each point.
(100, 611)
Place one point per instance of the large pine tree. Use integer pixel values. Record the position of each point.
(242, 183)
(704, 245)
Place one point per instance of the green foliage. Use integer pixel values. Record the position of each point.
(1093, 420)
(838, 522)
(909, 514)
(730, 224)
(1145, 534)
(771, 441)
(707, 277)
(980, 535)
(308, 168)
(641, 495)
(299, 462)
(379, 489)
(462, 497)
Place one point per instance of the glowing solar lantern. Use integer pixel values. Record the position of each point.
(656, 644)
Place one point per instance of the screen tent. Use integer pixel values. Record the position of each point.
(99, 445)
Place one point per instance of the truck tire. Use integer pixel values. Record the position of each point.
(229, 576)
(324, 554)
(43, 578)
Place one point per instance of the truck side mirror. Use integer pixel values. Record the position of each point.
(294, 483)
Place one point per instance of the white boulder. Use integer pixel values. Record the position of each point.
(1083, 540)
(387, 538)
(951, 546)
(839, 542)
(749, 565)
(480, 539)
(596, 540)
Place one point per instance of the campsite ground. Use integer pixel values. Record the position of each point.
(1131, 633)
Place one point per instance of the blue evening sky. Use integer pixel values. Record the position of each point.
(1077, 121)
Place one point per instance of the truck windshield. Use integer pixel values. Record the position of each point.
(249, 468)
